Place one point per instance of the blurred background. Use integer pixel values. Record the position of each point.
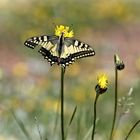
(30, 87)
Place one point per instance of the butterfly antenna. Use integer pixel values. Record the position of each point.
(54, 24)
(38, 128)
(71, 26)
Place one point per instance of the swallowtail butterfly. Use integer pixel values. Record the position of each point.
(59, 49)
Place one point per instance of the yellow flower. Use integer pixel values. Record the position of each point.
(102, 81)
(59, 30)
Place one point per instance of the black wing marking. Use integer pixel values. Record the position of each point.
(47, 55)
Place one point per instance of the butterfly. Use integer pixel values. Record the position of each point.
(59, 49)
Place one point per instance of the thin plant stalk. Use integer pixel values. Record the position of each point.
(134, 126)
(94, 120)
(38, 128)
(115, 105)
(62, 102)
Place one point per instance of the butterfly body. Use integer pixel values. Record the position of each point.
(59, 49)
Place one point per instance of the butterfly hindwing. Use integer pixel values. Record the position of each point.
(48, 55)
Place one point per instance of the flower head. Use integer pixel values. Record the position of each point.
(65, 30)
(118, 63)
(102, 84)
(102, 80)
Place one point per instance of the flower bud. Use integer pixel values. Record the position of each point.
(118, 63)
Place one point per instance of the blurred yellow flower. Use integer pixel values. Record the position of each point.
(15, 103)
(59, 30)
(102, 81)
(112, 9)
(79, 95)
(51, 104)
(20, 69)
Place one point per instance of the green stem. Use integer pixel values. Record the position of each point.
(115, 105)
(132, 129)
(94, 120)
(62, 102)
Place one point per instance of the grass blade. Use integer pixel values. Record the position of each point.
(38, 128)
(73, 114)
(132, 129)
(21, 125)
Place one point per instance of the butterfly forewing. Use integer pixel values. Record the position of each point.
(48, 46)
(40, 40)
(35, 41)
